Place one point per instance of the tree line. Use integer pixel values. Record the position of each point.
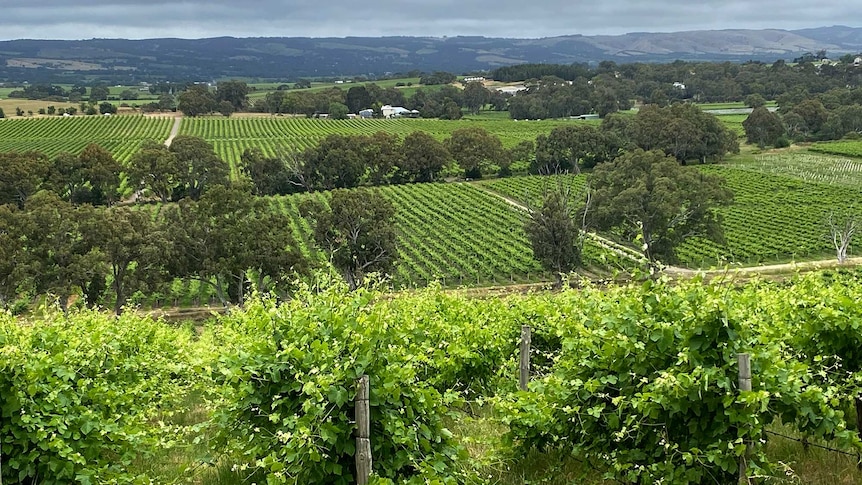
(64, 230)
(806, 117)
(697, 81)
(64, 226)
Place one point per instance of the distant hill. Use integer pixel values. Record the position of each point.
(290, 58)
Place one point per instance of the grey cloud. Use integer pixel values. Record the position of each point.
(73, 19)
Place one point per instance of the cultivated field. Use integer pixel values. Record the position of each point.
(231, 136)
(122, 135)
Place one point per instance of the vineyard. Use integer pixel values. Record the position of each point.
(773, 217)
(629, 384)
(121, 135)
(455, 234)
(847, 148)
(231, 136)
(807, 167)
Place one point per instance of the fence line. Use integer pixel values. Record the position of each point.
(805, 442)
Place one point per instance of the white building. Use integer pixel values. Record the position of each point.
(511, 89)
(394, 111)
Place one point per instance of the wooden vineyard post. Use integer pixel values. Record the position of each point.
(363, 431)
(524, 367)
(744, 361)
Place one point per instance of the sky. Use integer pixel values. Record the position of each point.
(139, 19)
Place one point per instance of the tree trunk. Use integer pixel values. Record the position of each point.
(350, 278)
(859, 415)
(120, 291)
(240, 287)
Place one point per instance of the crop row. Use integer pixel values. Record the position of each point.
(808, 167)
(122, 135)
(848, 148)
(772, 218)
(230, 136)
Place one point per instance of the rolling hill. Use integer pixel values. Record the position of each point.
(286, 58)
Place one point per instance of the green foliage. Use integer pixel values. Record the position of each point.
(475, 150)
(357, 231)
(555, 233)
(289, 374)
(121, 135)
(81, 395)
(650, 198)
(645, 383)
(763, 127)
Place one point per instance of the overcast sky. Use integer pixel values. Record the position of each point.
(137, 19)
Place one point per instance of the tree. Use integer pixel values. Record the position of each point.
(382, 154)
(225, 108)
(335, 163)
(219, 239)
(571, 148)
(648, 197)
(156, 168)
(68, 178)
(2, 114)
(813, 116)
(107, 108)
(357, 230)
(475, 150)
(755, 101)
(102, 172)
(338, 111)
(201, 167)
(763, 127)
(99, 93)
(358, 99)
(424, 158)
(196, 100)
(233, 92)
(268, 175)
(841, 231)
(61, 258)
(475, 96)
(12, 254)
(131, 246)
(555, 231)
(682, 130)
(22, 175)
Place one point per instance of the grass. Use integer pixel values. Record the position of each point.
(730, 105)
(493, 461)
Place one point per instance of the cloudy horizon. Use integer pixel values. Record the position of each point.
(192, 19)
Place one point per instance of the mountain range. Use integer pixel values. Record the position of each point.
(291, 58)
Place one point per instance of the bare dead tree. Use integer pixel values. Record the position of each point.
(296, 167)
(841, 231)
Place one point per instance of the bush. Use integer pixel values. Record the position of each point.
(289, 373)
(645, 383)
(80, 394)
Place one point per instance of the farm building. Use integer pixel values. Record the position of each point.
(398, 112)
(512, 89)
(857, 62)
(367, 113)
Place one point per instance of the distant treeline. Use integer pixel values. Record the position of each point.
(554, 91)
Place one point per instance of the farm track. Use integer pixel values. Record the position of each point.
(605, 243)
(746, 271)
(175, 130)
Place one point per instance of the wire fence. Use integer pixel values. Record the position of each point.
(805, 442)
